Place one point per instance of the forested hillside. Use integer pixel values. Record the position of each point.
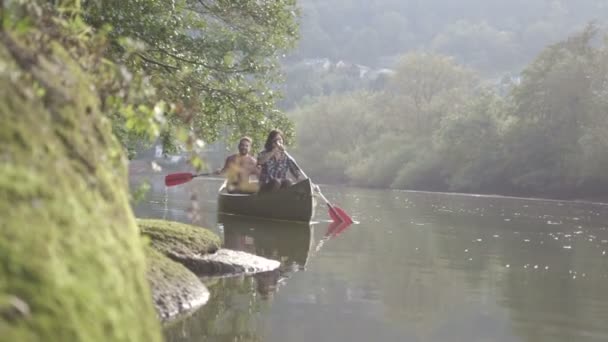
(436, 124)
(486, 34)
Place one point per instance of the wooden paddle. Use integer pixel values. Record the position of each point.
(182, 177)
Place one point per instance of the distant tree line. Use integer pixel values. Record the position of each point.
(496, 38)
(436, 125)
(488, 35)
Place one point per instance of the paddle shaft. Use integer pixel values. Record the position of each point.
(336, 214)
(182, 177)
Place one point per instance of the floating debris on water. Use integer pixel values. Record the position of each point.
(567, 247)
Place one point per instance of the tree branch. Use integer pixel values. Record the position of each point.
(169, 68)
(212, 12)
(207, 66)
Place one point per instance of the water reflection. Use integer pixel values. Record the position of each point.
(287, 242)
(235, 309)
(419, 267)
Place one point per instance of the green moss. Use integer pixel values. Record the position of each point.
(70, 250)
(179, 240)
(174, 288)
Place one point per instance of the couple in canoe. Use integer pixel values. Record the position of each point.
(271, 166)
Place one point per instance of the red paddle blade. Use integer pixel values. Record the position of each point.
(333, 214)
(178, 178)
(331, 229)
(341, 228)
(343, 215)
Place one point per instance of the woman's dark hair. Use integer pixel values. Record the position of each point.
(271, 136)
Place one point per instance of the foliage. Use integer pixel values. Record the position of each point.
(435, 126)
(486, 34)
(214, 61)
(560, 106)
(331, 129)
(425, 88)
(72, 266)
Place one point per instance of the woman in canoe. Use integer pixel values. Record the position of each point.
(275, 162)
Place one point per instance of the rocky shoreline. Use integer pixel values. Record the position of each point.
(179, 254)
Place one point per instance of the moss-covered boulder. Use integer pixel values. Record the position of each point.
(175, 289)
(179, 241)
(72, 265)
(198, 249)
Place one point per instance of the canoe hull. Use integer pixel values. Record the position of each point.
(295, 203)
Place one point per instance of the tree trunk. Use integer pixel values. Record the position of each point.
(72, 265)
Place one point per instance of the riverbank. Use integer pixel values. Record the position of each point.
(179, 254)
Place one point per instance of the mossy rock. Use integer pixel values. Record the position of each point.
(175, 289)
(72, 266)
(179, 240)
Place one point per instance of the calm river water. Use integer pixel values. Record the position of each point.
(417, 267)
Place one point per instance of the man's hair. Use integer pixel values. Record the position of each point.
(246, 138)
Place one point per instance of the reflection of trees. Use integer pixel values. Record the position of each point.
(429, 265)
(437, 263)
(413, 276)
(231, 314)
(234, 308)
(567, 301)
(544, 304)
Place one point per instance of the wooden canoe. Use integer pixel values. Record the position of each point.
(295, 203)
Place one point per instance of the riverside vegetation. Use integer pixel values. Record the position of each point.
(80, 85)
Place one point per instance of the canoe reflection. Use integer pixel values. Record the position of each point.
(291, 243)
(287, 242)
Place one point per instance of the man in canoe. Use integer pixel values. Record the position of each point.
(239, 167)
(274, 162)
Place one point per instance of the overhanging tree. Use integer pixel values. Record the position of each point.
(216, 61)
